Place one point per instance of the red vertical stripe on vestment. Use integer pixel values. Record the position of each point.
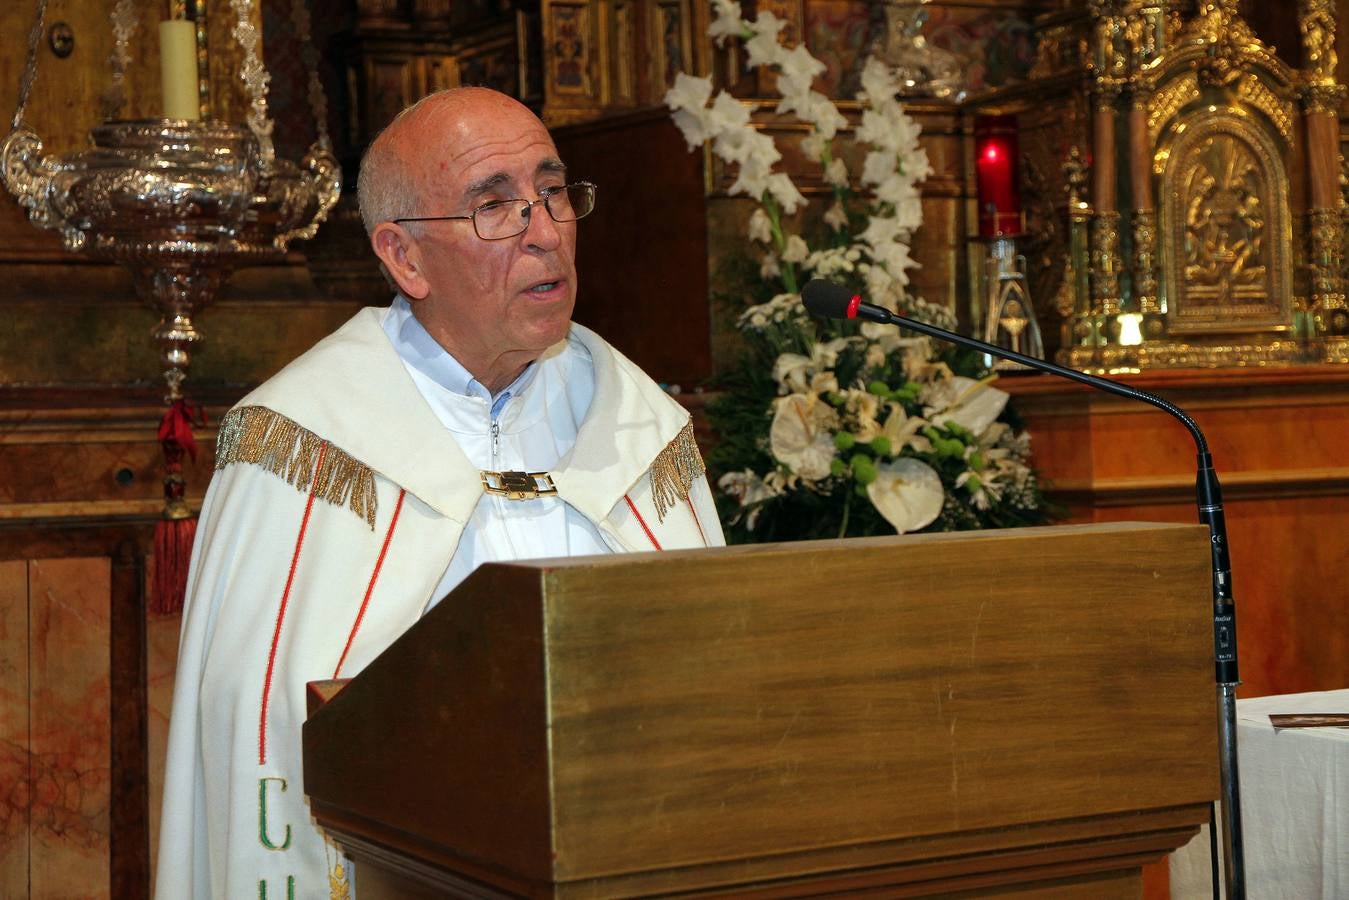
(370, 588)
(640, 521)
(696, 520)
(281, 613)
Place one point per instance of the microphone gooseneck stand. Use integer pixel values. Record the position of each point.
(829, 300)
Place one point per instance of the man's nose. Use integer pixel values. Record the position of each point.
(541, 230)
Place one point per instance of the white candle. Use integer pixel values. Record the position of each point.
(178, 68)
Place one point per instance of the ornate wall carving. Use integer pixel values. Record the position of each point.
(1225, 213)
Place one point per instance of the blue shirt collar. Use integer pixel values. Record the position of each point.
(418, 349)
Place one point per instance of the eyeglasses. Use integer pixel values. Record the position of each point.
(503, 219)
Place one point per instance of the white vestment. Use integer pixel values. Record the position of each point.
(338, 504)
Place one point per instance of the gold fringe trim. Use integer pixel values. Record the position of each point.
(257, 435)
(675, 470)
(339, 888)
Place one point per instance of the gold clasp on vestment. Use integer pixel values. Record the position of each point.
(518, 485)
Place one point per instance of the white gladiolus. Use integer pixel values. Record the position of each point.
(763, 49)
(690, 124)
(785, 193)
(896, 189)
(878, 82)
(726, 115)
(798, 65)
(727, 22)
(796, 250)
(760, 226)
(688, 92)
(836, 217)
(687, 98)
(879, 166)
(836, 173)
(880, 231)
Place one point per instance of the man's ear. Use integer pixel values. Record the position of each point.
(398, 250)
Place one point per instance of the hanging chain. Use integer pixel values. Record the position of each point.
(255, 77)
(318, 101)
(125, 18)
(30, 66)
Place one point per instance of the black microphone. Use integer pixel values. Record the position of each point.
(834, 301)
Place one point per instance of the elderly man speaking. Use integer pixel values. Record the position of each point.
(469, 421)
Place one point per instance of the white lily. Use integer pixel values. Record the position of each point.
(905, 430)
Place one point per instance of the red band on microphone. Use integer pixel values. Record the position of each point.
(855, 302)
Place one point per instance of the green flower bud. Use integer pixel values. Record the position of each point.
(863, 469)
(879, 388)
(844, 440)
(977, 462)
(837, 467)
(837, 399)
(880, 444)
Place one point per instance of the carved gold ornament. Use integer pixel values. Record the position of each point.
(1230, 237)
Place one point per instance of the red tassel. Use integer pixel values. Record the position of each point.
(175, 532)
(173, 552)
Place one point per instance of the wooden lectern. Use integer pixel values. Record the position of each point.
(1011, 713)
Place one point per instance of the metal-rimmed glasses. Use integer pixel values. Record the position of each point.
(503, 219)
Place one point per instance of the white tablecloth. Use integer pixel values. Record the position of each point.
(1294, 806)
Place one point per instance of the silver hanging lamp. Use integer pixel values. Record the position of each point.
(182, 203)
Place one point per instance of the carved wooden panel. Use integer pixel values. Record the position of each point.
(670, 37)
(493, 62)
(571, 46)
(624, 53)
(1228, 257)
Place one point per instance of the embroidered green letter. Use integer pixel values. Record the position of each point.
(290, 888)
(262, 818)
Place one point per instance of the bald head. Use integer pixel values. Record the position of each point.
(422, 144)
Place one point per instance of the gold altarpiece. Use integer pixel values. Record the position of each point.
(1225, 158)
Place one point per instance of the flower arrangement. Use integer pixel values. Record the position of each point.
(832, 429)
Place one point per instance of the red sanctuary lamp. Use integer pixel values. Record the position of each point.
(996, 152)
(1009, 318)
